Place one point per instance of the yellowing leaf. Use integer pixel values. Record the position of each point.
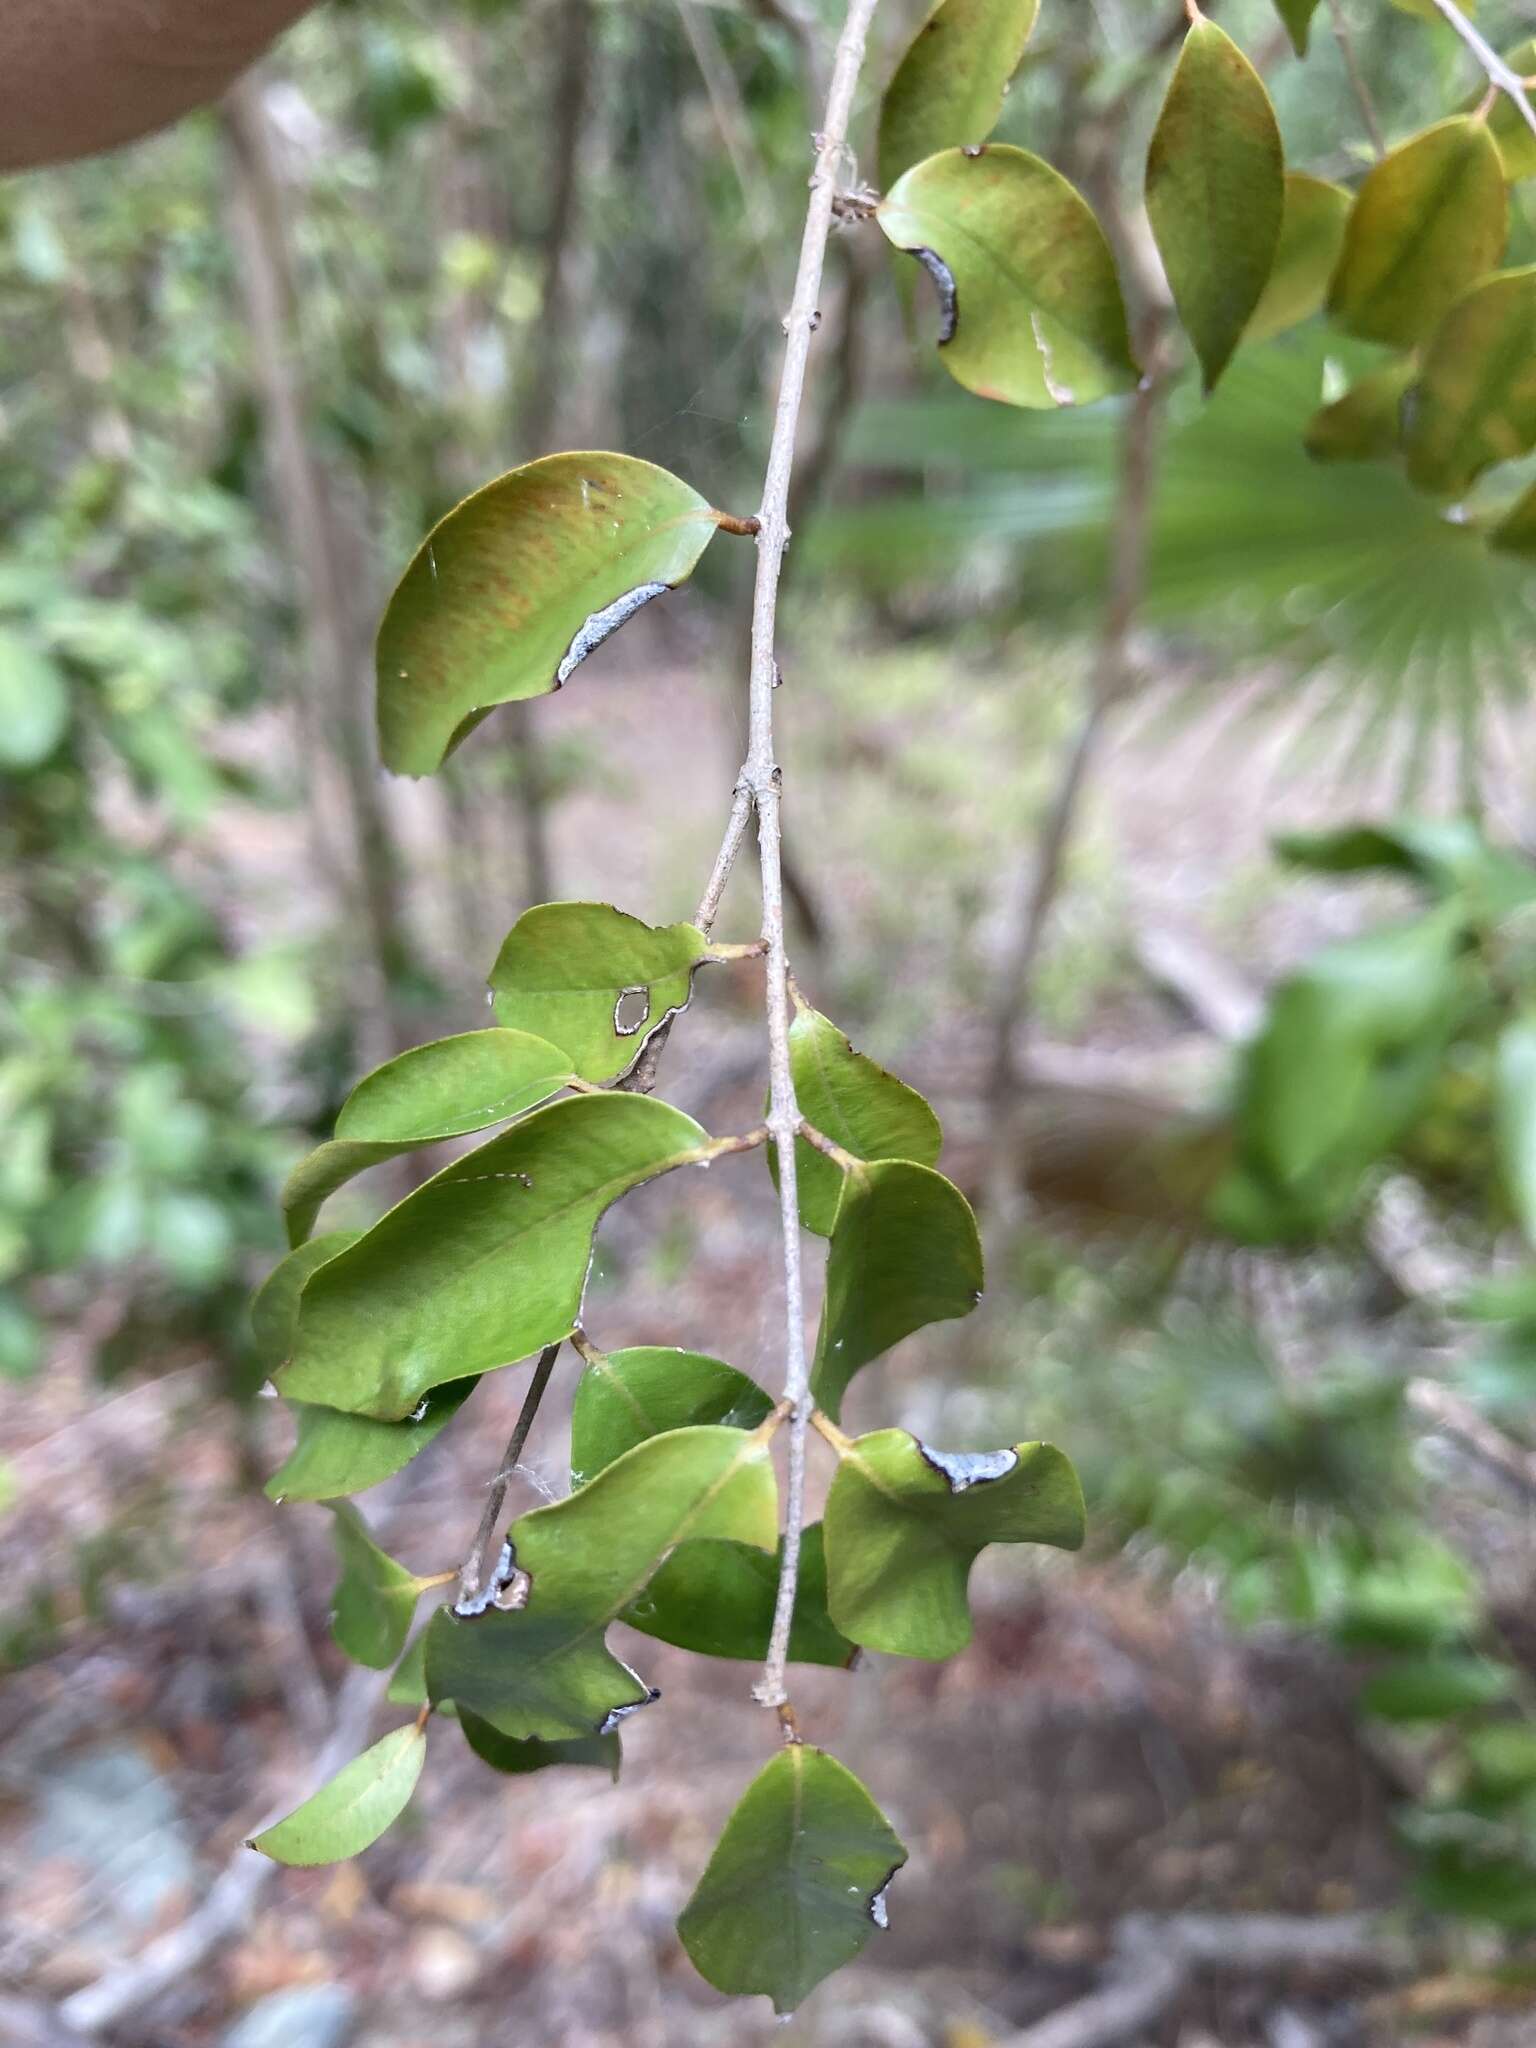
(1475, 400)
(1311, 236)
(1031, 306)
(1216, 192)
(1366, 424)
(1429, 221)
(518, 585)
(948, 88)
(1507, 125)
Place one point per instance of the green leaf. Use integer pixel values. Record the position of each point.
(1475, 400)
(34, 703)
(855, 1103)
(626, 1397)
(1429, 221)
(1311, 237)
(337, 1454)
(1448, 855)
(518, 585)
(1031, 306)
(355, 1808)
(1297, 16)
(408, 1681)
(716, 1598)
(1434, 1688)
(948, 88)
(1366, 424)
(515, 1759)
(484, 1264)
(375, 1599)
(543, 1669)
(1506, 124)
(905, 1252)
(797, 1883)
(275, 1309)
(442, 1090)
(905, 1523)
(1216, 192)
(594, 980)
(1515, 1117)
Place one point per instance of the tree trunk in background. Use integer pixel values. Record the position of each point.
(336, 678)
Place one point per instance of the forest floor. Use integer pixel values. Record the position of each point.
(1108, 1746)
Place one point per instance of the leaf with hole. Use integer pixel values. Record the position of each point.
(797, 1882)
(355, 1808)
(1366, 423)
(510, 592)
(1474, 403)
(1215, 190)
(594, 980)
(516, 1759)
(1306, 256)
(375, 1599)
(855, 1103)
(626, 1397)
(1031, 307)
(905, 1523)
(484, 1264)
(716, 1598)
(948, 88)
(442, 1090)
(543, 1670)
(905, 1252)
(1429, 220)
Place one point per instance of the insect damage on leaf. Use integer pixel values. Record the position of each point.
(944, 283)
(505, 1588)
(602, 625)
(615, 1715)
(965, 1469)
(631, 1011)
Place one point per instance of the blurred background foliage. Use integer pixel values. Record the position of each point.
(247, 363)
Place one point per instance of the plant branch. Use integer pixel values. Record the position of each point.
(1497, 72)
(1358, 83)
(472, 1571)
(761, 779)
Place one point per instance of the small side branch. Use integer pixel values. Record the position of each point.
(472, 1571)
(1358, 83)
(1497, 72)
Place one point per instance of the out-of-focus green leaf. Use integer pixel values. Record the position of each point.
(626, 1397)
(1515, 1117)
(1366, 424)
(717, 1598)
(1031, 311)
(485, 1263)
(442, 1090)
(1434, 1688)
(1429, 221)
(905, 1252)
(1449, 855)
(543, 1670)
(796, 1884)
(34, 703)
(1216, 192)
(594, 980)
(1311, 236)
(1515, 533)
(356, 1806)
(515, 1759)
(518, 585)
(1474, 403)
(948, 88)
(857, 1104)
(905, 1523)
(375, 1598)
